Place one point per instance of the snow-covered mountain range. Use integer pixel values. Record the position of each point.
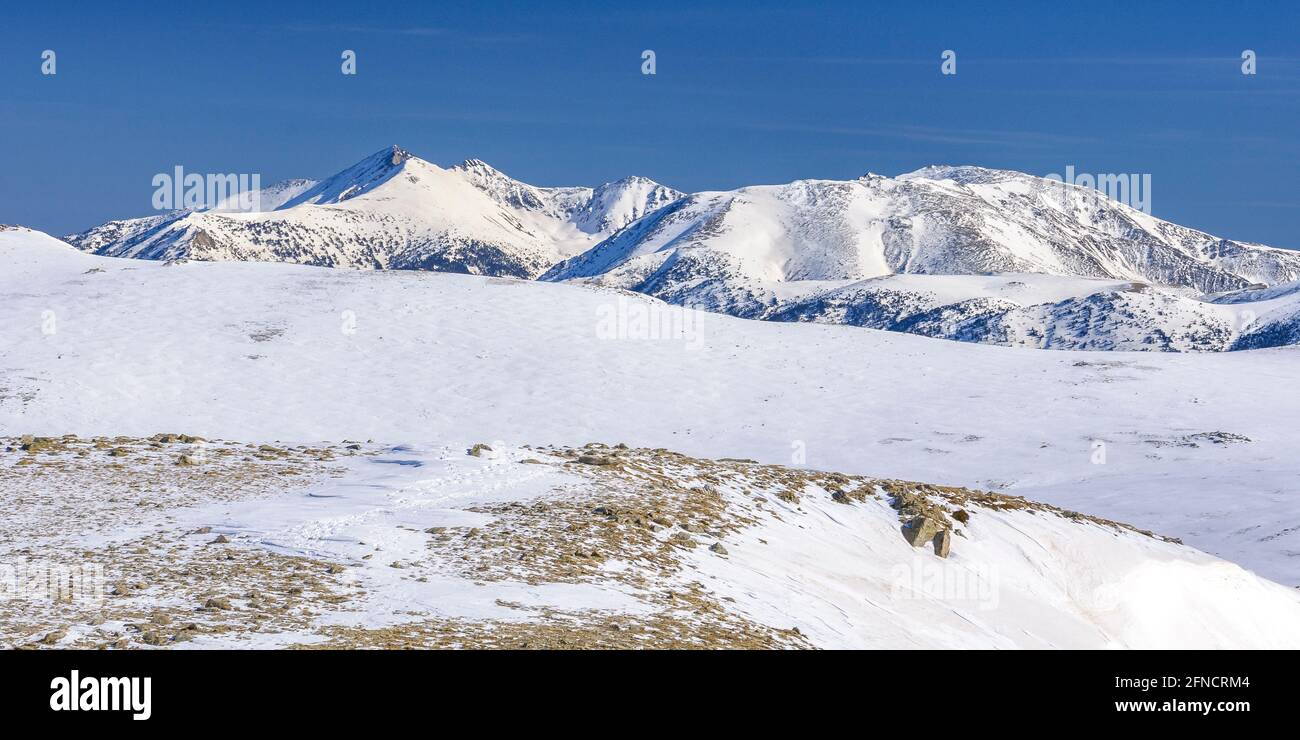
(395, 211)
(955, 252)
(961, 253)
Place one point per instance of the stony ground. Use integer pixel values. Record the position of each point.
(626, 519)
(93, 558)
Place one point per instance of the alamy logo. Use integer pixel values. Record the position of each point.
(41, 581)
(645, 320)
(1133, 190)
(972, 584)
(178, 189)
(91, 693)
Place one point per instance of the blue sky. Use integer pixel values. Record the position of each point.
(753, 92)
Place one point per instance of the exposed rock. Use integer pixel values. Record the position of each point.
(174, 438)
(478, 450)
(718, 548)
(943, 543)
(1218, 438)
(39, 444)
(920, 530)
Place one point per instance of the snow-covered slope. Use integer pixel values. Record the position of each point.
(1198, 446)
(266, 199)
(1271, 316)
(392, 211)
(1195, 446)
(361, 546)
(1043, 311)
(124, 236)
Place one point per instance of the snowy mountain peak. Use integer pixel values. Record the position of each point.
(477, 165)
(629, 181)
(358, 179)
(484, 175)
(557, 203)
(619, 203)
(965, 174)
(599, 211)
(397, 155)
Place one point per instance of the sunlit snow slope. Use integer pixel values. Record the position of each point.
(1200, 447)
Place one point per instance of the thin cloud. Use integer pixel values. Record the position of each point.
(439, 32)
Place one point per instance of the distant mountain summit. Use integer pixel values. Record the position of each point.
(617, 204)
(391, 210)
